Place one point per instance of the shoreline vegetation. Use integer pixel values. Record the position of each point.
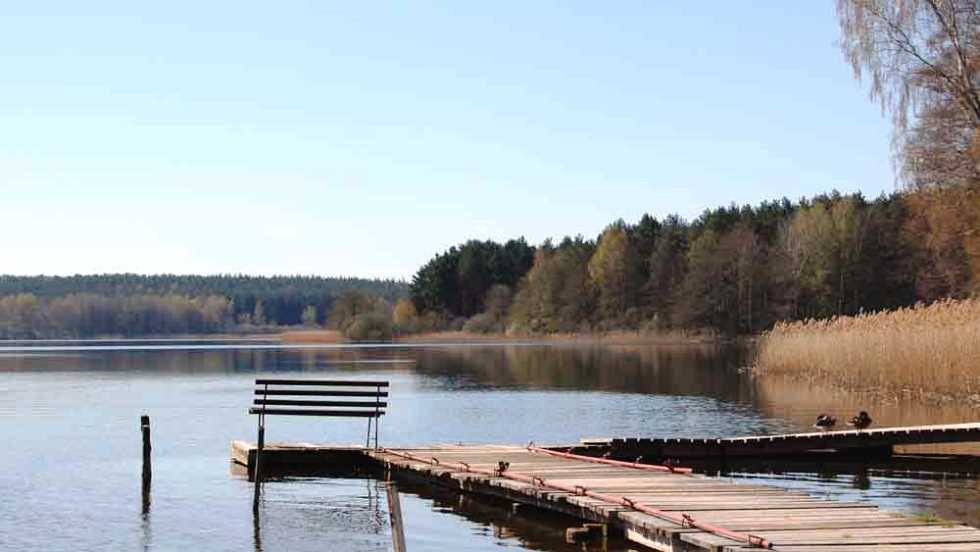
(801, 274)
(135, 305)
(313, 336)
(733, 271)
(927, 353)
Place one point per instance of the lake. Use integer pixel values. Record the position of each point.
(69, 420)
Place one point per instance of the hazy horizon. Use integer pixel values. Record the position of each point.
(356, 141)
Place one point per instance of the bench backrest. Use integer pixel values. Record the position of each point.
(302, 397)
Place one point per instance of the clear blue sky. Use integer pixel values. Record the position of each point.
(292, 137)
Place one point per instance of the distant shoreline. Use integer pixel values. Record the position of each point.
(609, 338)
(324, 336)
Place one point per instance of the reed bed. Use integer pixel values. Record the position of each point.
(925, 351)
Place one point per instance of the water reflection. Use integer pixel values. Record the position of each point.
(146, 527)
(702, 369)
(371, 506)
(305, 513)
(531, 528)
(190, 361)
(801, 402)
(485, 393)
(256, 532)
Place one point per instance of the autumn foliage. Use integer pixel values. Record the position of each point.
(733, 270)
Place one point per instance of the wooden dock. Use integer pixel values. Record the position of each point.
(667, 509)
(874, 441)
(675, 511)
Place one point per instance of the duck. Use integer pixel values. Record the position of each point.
(861, 421)
(825, 422)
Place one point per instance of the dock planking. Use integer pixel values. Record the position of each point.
(880, 440)
(788, 520)
(690, 512)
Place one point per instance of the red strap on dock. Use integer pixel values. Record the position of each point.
(594, 460)
(684, 520)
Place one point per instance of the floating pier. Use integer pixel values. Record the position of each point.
(673, 510)
(867, 441)
(660, 507)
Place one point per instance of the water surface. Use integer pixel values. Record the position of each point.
(69, 419)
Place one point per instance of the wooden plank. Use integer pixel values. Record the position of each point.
(295, 402)
(345, 383)
(319, 393)
(334, 413)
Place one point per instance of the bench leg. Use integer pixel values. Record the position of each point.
(257, 471)
(367, 440)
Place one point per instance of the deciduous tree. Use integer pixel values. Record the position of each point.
(921, 58)
(613, 272)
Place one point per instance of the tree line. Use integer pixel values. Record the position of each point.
(134, 305)
(732, 270)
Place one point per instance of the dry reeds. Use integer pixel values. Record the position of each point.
(924, 351)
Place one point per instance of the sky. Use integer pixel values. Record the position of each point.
(360, 139)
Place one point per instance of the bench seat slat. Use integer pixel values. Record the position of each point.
(320, 393)
(339, 383)
(290, 402)
(310, 412)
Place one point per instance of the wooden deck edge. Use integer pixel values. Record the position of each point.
(637, 527)
(300, 459)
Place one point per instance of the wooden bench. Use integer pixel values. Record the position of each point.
(305, 397)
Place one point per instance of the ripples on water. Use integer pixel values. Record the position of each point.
(69, 473)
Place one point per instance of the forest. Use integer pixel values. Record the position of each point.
(137, 305)
(733, 270)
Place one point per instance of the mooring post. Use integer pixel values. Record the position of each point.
(395, 515)
(147, 461)
(147, 447)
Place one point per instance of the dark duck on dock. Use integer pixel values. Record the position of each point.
(825, 422)
(861, 421)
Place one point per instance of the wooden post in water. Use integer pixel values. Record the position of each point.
(147, 446)
(395, 515)
(147, 461)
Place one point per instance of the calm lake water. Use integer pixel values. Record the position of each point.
(70, 466)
